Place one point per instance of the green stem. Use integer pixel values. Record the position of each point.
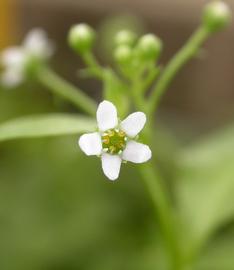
(154, 183)
(136, 94)
(164, 210)
(64, 89)
(161, 200)
(150, 78)
(178, 61)
(93, 65)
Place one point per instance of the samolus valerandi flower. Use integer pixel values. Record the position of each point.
(115, 141)
(16, 61)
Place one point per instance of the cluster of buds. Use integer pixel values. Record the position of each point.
(148, 47)
(128, 50)
(133, 54)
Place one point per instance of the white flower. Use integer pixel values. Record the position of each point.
(37, 44)
(115, 142)
(14, 60)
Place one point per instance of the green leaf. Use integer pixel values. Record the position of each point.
(116, 91)
(205, 186)
(45, 125)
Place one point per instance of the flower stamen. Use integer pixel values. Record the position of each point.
(114, 140)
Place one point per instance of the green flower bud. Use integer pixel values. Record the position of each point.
(216, 16)
(125, 37)
(81, 37)
(123, 54)
(149, 47)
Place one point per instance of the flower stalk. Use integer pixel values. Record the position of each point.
(188, 51)
(164, 211)
(94, 68)
(66, 90)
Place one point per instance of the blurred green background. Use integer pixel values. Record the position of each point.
(57, 210)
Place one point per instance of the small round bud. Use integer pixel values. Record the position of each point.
(149, 47)
(216, 16)
(125, 37)
(81, 37)
(123, 54)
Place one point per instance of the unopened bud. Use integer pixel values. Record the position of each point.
(217, 15)
(149, 47)
(81, 37)
(123, 54)
(125, 37)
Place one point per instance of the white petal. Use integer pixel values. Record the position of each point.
(38, 44)
(106, 116)
(111, 165)
(133, 124)
(13, 57)
(11, 78)
(136, 152)
(91, 144)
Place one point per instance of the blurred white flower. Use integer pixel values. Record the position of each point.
(115, 142)
(14, 60)
(36, 43)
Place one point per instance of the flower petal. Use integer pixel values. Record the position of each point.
(91, 144)
(38, 44)
(106, 116)
(133, 124)
(111, 165)
(11, 78)
(136, 152)
(13, 57)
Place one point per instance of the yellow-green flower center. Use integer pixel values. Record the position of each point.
(114, 141)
